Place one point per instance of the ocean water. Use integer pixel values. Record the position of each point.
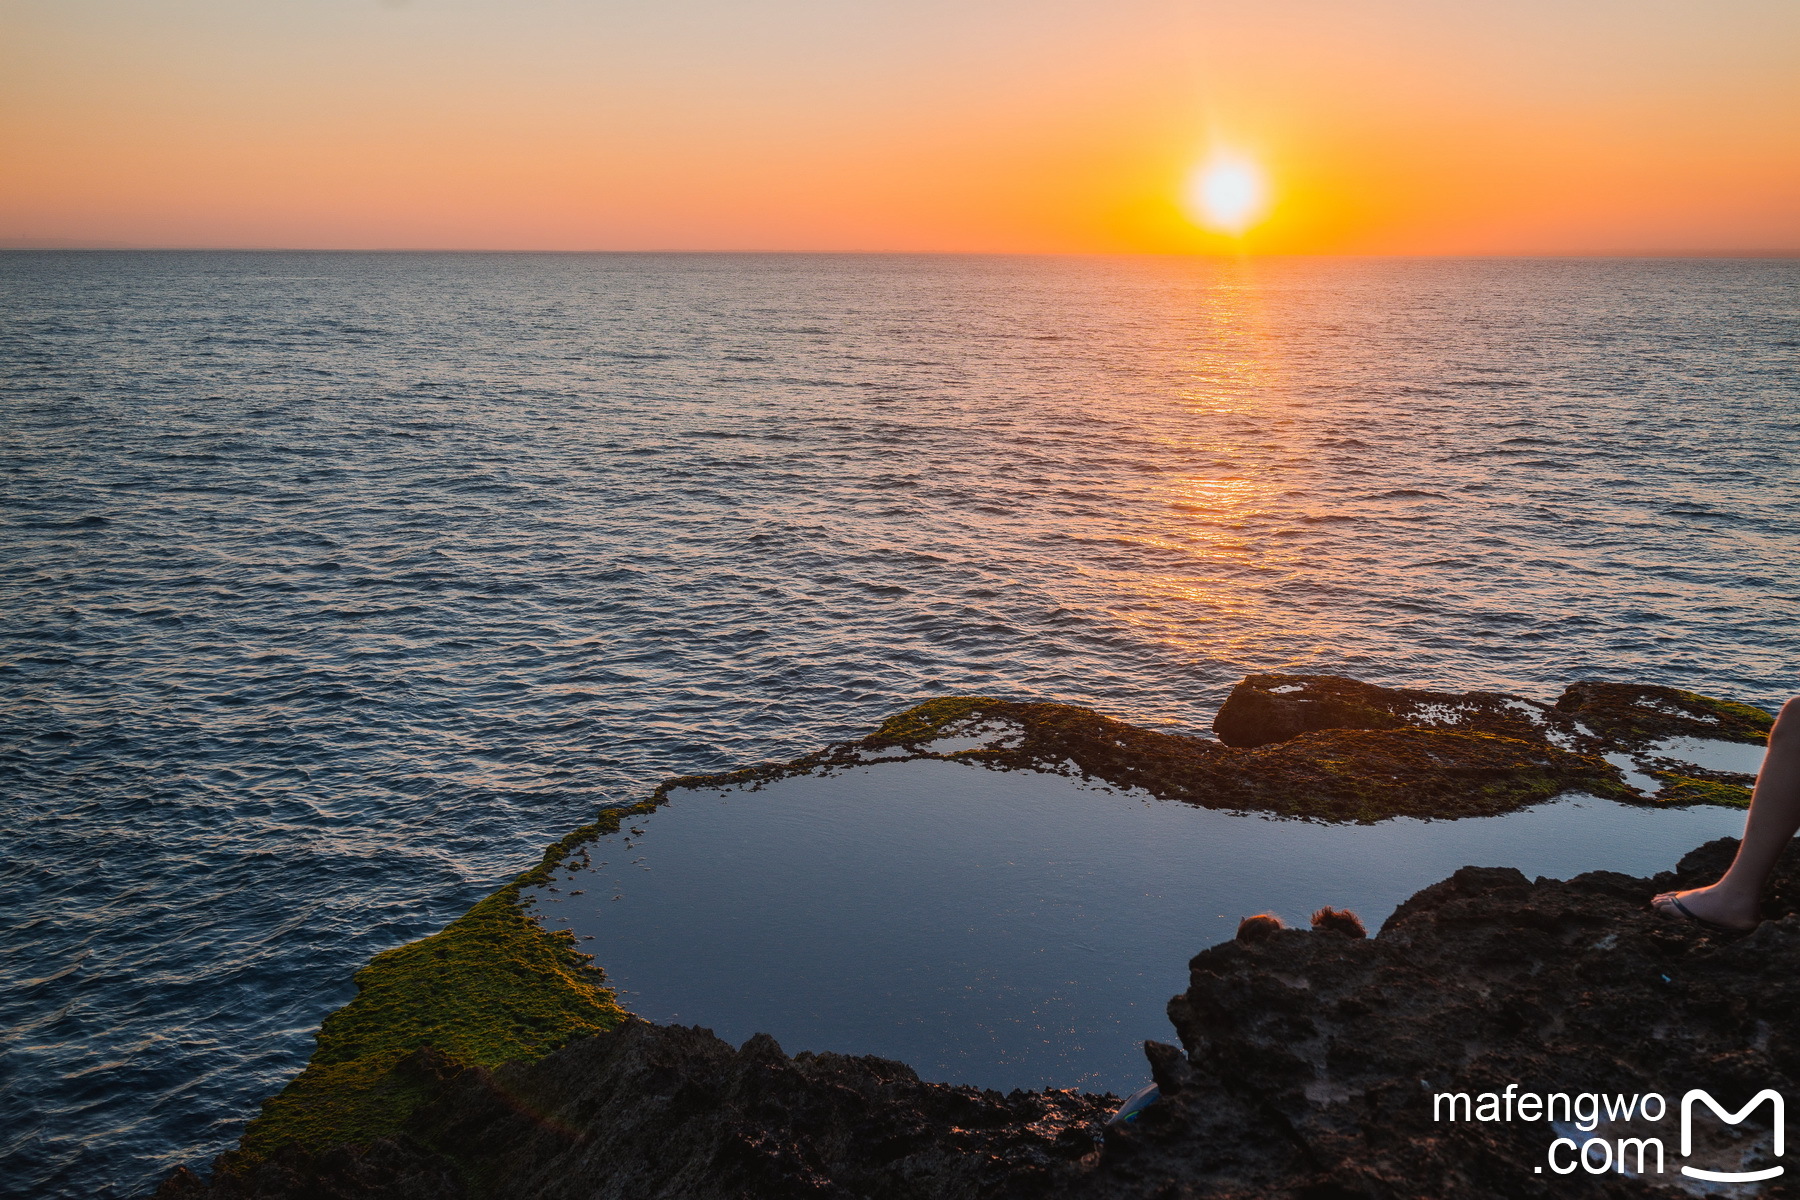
(335, 585)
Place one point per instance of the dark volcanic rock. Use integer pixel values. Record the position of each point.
(1479, 981)
(1326, 747)
(650, 1111)
(1307, 1070)
(1264, 709)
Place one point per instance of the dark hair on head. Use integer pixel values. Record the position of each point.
(1255, 929)
(1338, 920)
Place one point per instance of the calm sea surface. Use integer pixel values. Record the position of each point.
(335, 585)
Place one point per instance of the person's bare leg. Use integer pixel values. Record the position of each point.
(1774, 816)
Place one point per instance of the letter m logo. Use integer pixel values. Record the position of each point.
(1687, 1134)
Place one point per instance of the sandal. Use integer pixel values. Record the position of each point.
(1689, 914)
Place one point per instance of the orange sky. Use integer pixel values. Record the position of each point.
(1385, 126)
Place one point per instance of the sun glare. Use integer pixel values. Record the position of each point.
(1227, 194)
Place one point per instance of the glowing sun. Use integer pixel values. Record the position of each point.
(1226, 194)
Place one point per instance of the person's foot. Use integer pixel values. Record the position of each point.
(1706, 906)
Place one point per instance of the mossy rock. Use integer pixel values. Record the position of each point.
(926, 721)
(492, 987)
(1264, 709)
(1636, 714)
(1370, 775)
(1592, 719)
(1685, 789)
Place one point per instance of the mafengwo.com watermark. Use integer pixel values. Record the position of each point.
(1639, 1134)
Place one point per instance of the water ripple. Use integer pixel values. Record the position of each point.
(337, 585)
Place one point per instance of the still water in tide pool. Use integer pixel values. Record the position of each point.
(336, 585)
(1006, 929)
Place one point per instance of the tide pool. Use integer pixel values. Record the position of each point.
(1007, 928)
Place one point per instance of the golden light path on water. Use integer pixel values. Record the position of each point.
(1227, 408)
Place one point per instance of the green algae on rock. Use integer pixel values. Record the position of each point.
(493, 986)
(1685, 789)
(1590, 716)
(1635, 714)
(1641, 725)
(1368, 775)
(928, 719)
(1329, 774)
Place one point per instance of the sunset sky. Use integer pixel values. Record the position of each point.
(1378, 126)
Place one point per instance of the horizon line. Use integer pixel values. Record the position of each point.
(81, 246)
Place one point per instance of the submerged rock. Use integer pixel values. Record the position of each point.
(1308, 1066)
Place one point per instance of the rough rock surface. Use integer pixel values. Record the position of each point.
(1635, 714)
(1482, 980)
(1590, 717)
(1265, 709)
(1335, 774)
(1307, 1067)
(668, 1111)
(1613, 722)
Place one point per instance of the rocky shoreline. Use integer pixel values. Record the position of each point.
(1330, 748)
(490, 1060)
